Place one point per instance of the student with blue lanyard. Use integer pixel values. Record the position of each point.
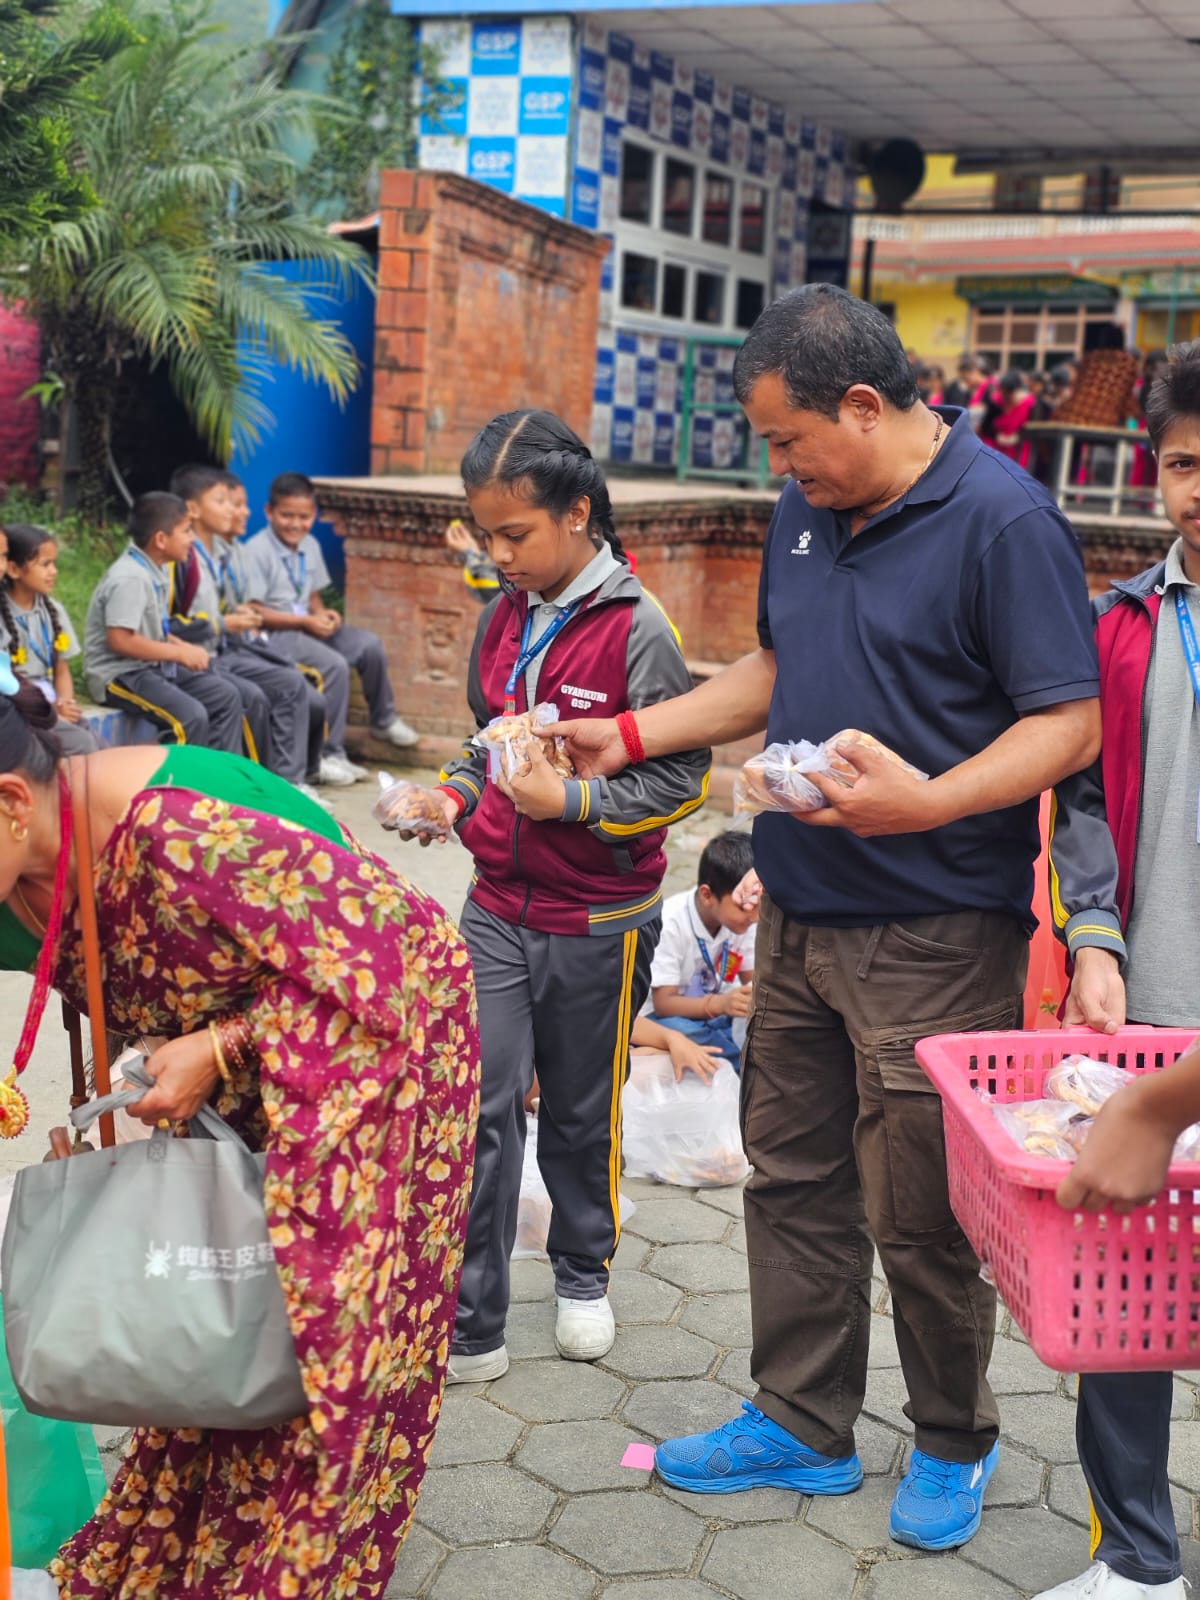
(132, 659)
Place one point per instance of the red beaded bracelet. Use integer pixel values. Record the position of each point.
(630, 737)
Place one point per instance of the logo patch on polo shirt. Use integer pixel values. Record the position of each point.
(800, 548)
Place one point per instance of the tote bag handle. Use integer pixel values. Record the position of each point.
(77, 777)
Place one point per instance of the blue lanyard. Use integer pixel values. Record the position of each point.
(161, 587)
(530, 652)
(44, 655)
(1187, 634)
(229, 575)
(718, 972)
(208, 561)
(299, 584)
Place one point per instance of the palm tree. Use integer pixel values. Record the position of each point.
(186, 148)
(39, 74)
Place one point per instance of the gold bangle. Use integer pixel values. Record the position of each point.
(214, 1033)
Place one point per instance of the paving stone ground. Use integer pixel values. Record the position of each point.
(526, 1497)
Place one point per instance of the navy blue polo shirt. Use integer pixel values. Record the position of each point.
(950, 614)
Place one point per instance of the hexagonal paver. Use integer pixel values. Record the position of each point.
(674, 1220)
(658, 1589)
(472, 1430)
(483, 1504)
(1032, 1549)
(771, 1562)
(528, 1570)
(529, 1330)
(632, 1532)
(1015, 1369)
(751, 1505)
(653, 1351)
(632, 1252)
(575, 1456)
(859, 1520)
(530, 1280)
(557, 1391)
(1069, 1497)
(886, 1397)
(730, 1200)
(1183, 1402)
(737, 1238)
(419, 1555)
(723, 1318)
(934, 1578)
(1185, 1455)
(883, 1351)
(700, 1268)
(734, 1372)
(688, 1405)
(877, 1445)
(1043, 1423)
(636, 1297)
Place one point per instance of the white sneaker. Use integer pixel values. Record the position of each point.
(309, 793)
(334, 772)
(352, 767)
(584, 1330)
(398, 733)
(477, 1369)
(1102, 1583)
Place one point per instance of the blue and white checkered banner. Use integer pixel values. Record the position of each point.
(511, 82)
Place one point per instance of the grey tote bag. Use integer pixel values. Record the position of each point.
(140, 1285)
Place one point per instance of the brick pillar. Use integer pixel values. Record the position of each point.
(399, 396)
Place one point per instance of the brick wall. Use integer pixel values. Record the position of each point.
(465, 273)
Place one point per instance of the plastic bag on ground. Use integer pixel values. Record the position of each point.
(508, 741)
(776, 779)
(534, 1209)
(409, 809)
(684, 1133)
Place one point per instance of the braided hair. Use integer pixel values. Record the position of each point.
(25, 539)
(537, 448)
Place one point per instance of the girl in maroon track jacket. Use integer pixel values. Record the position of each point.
(564, 911)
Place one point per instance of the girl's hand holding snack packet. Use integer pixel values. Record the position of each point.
(508, 741)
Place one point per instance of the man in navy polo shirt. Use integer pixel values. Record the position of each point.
(920, 587)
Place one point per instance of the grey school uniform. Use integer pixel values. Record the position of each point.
(37, 628)
(274, 695)
(284, 580)
(189, 707)
(235, 591)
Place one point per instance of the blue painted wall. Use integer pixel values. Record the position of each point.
(312, 433)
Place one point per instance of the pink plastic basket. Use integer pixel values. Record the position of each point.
(1092, 1292)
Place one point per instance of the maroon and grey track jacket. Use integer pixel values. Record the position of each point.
(1094, 820)
(601, 871)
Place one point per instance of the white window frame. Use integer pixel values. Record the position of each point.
(692, 252)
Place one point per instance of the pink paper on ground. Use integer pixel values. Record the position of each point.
(638, 1455)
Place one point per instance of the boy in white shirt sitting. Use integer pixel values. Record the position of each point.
(699, 977)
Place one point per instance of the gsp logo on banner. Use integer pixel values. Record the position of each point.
(495, 49)
(545, 106)
(493, 161)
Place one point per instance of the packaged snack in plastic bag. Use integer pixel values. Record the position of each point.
(508, 741)
(1082, 1082)
(684, 1133)
(1187, 1146)
(534, 1209)
(775, 779)
(410, 810)
(1044, 1127)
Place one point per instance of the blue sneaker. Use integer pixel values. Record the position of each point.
(939, 1503)
(752, 1452)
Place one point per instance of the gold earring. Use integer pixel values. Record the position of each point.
(18, 830)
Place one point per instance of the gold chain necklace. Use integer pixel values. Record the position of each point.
(39, 925)
(869, 510)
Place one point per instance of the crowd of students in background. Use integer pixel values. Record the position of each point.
(212, 638)
(1103, 389)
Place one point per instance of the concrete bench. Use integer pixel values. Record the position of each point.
(113, 727)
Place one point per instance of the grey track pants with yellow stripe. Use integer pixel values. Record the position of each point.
(562, 1006)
